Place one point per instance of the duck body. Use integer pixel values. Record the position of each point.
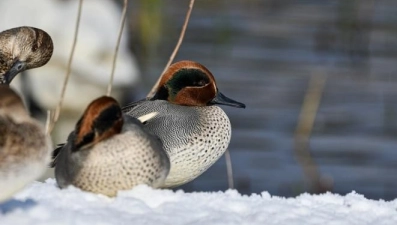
(194, 131)
(195, 137)
(24, 147)
(121, 161)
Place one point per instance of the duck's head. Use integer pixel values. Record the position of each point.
(11, 103)
(23, 48)
(191, 84)
(101, 120)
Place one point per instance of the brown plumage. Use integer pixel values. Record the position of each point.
(23, 48)
(108, 152)
(24, 148)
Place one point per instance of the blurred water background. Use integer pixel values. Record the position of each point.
(265, 53)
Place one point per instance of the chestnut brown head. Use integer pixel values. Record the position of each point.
(101, 120)
(189, 83)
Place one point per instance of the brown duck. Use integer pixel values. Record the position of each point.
(25, 149)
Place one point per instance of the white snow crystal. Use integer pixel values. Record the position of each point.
(45, 203)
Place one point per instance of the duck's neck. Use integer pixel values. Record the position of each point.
(161, 94)
(18, 115)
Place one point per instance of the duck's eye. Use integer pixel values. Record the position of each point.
(200, 83)
(34, 48)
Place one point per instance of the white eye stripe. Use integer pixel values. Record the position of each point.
(147, 117)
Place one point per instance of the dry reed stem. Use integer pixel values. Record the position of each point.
(48, 122)
(55, 115)
(116, 51)
(182, 35)
(304, 129)
(229, 169)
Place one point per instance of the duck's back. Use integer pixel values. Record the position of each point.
(194, 137)
(24, 154)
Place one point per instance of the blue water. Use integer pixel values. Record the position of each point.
(263, 53)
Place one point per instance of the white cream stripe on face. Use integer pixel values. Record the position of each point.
(147, 117)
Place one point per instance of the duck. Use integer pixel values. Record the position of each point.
(25, 149)
(23, 48)
(92, 58)
(194, 130)
(108, 152)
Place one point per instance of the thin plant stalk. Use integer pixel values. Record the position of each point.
(229, 169)
(55, 115)
(304, 129)
(116, 51)
(172, 57)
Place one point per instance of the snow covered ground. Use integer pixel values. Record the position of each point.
(44, 203)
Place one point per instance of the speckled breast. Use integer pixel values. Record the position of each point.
(194, 137)
(118, 163)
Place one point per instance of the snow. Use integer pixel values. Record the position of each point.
(45, 203)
